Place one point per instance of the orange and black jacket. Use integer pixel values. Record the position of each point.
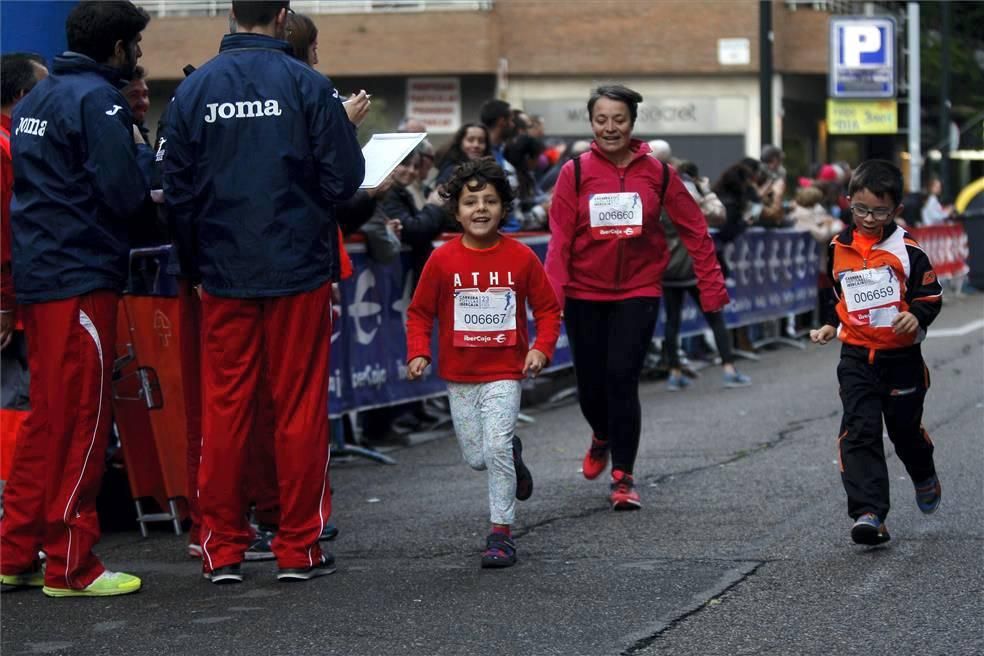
(920, 291)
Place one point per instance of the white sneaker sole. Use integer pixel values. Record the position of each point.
(306, 576)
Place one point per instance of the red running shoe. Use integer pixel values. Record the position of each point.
(623, 495)
(596, 459)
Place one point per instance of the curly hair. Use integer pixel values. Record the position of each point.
(476, 174)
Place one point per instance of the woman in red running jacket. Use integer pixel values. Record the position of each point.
(605, 261)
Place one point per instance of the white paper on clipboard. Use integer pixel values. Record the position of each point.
(384, 152)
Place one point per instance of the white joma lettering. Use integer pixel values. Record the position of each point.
(33, 126)
(242, 109)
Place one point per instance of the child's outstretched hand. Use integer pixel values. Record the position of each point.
(416, 367)
(905, 323)
(535, 362)
(823, 335)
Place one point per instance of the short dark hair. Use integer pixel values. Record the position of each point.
(250, 13)
(492, 110)
(617, 92)
(301, 33)
(139, 73)
(771, 153)
(880, 177)
(18, 74)
(94, 26)
(485, 171)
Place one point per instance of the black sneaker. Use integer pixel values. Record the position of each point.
(329, 532)
(524, 479)
(500, 551)
(260, 548)
(869, 530)
(227, 574)
(323, 568)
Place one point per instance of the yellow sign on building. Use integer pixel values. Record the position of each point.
(862, 116)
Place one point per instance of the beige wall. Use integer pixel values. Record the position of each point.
(544, 37)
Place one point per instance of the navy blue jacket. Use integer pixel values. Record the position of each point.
(78, 181)
(259, 151)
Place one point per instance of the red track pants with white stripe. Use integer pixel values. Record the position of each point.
(292, 334)
(50, 499)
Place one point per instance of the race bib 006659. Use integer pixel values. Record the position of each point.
(872, 296)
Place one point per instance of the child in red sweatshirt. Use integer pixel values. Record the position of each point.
(477, 286)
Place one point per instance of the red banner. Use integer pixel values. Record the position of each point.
(946, 246)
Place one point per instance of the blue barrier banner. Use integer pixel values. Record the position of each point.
(772, 273)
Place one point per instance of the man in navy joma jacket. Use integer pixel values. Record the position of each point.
(78, 179)
(259, 151)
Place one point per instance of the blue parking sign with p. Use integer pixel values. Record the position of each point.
(862, 57)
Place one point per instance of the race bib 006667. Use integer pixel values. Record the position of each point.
(485, 319)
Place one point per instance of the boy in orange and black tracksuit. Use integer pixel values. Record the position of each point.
(885, 295)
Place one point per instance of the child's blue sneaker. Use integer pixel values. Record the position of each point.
(500, 551)
(868, 529)
(928, 495)
(676, 383)
(736, 379)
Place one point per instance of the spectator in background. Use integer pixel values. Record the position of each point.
(934, 212)
(537, 127)
(531, 203)
(20, 72)
(410, 124)
(678, 281)
(137, 94)
(549, 178)
(770, 189)
(471, 141)
(75, 191)
(419, 226)
(736, 190)
(521, 121)
(497, 116)
(809, 215)
(661, 150)
(772, 158)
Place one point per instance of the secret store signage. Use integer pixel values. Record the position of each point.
(700, 115)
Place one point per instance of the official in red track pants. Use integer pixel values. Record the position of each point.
(50, 499)
(260, 481)
(293, 335)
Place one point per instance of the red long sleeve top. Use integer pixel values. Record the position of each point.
(479, 299)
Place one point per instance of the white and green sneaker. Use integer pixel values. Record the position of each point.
(30, 579)
(107, 584)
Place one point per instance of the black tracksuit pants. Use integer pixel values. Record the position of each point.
(889, 385)
(609, 341)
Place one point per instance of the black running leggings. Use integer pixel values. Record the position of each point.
(609, 341)
(673, 302)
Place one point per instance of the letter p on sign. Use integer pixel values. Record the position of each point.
(861, 45)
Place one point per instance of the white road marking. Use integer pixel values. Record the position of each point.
(957, 332)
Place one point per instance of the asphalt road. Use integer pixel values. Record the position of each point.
(742, 546)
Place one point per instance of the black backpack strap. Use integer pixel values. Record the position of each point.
(666, 181)
(577, 175)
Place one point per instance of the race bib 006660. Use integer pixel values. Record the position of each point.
(615, 216)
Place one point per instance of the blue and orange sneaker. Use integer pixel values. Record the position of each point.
(596, 459)
(500, 551)
(929, 493)
(869, 529)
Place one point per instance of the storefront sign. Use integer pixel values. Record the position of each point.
(435, 102)
(665, 116)
(862, 116)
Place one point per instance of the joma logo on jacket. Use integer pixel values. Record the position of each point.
(242, 109)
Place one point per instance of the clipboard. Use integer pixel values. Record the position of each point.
(384, 152)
